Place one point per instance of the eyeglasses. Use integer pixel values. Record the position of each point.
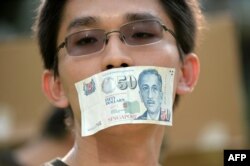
(135, 33)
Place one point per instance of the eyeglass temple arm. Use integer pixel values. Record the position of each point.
(60, 46)
(181, 52)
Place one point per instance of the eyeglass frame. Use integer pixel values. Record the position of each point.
(64, 43)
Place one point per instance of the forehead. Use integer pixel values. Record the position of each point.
(149, 78)
(111, 13)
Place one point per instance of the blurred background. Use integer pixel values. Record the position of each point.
(213, 118)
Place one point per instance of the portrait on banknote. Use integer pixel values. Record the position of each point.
(150, 90)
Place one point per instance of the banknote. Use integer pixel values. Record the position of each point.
(131, 95)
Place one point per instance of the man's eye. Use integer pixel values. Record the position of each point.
(144, 88)
(142, 35)
(86, 41)
(155, 89)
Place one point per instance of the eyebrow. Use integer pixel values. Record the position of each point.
(82, 21)
(90, 21)
(140, 16)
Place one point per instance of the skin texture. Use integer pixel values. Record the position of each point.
(123, 144)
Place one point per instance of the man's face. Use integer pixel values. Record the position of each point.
(150, 91)
(110, 16)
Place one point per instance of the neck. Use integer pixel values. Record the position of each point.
(128, 145)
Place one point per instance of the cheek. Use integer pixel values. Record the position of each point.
(158, 96)
(68, 79)
(163, 55)
(72, 70)
(144, 95)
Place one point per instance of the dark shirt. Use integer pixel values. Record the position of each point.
(8, 158)
(56, 162)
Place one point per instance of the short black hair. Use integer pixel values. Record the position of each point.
(46, 27)
(184, 15)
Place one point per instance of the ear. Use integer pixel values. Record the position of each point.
(53, 89)
(189, 74)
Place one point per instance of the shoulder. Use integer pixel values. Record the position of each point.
(143, 116)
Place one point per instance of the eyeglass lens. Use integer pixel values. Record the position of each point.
(135, 34)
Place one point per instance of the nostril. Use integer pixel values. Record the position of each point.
(109, 66)
(124, 65)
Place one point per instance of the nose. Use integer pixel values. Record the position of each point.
(116, 54)
(150, 94)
